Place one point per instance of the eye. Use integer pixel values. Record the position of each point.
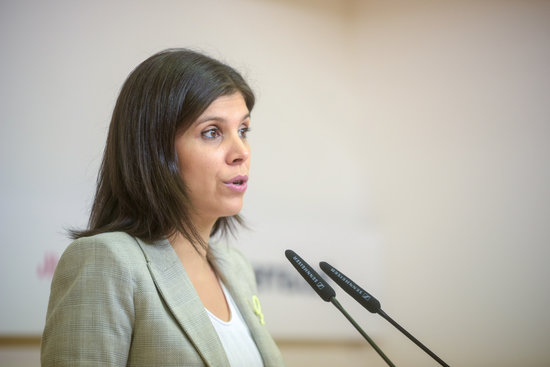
(243, 131)
(211, 133)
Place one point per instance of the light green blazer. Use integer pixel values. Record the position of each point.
(117, 301)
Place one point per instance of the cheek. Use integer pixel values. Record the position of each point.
(199, 168)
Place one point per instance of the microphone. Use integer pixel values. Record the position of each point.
(327, 293)
(366, 300)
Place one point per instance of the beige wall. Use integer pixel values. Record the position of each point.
(410, 133)
(456, 130)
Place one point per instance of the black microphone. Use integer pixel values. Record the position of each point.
(359, 294)
(370, 303)
(327, 293)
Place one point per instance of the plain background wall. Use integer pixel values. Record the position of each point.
(457, 126)
(404, 141)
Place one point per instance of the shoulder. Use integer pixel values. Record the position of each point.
(91, 305)
(110, 252)
(98, 268)
(119, 244)
(115, 241)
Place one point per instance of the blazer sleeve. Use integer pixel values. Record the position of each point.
(90, 312)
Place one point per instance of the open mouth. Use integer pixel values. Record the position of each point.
(237, 180)
(238, 183)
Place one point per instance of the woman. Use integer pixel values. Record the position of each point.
(143, 285)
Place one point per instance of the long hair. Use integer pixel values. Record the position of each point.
(140, 190)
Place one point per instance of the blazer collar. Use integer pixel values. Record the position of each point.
(183, 301)
(243, 288)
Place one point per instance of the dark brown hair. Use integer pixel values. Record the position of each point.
(139, 188)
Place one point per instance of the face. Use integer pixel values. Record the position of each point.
(214, 158)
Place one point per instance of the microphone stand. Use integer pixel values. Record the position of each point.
(371, 304)
(337, 304)
(326, 292)
(412, 338)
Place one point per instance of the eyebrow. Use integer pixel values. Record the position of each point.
(218, 119)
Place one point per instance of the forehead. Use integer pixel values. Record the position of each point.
(227, 107)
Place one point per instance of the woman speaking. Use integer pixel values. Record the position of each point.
(144, 285)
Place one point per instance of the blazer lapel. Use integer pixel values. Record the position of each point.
(242, 288)
(176, 289)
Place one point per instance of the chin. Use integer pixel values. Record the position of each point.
(233, 212)
(232, 209)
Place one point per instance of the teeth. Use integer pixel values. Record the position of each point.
(238, 182)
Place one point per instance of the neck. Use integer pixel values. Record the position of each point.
(183, 246)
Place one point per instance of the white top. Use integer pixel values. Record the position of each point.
(236, 339)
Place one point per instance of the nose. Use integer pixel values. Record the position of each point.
(239, 150)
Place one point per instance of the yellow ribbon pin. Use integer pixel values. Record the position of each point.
(258, 309)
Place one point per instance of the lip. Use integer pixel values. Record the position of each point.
(237, 183)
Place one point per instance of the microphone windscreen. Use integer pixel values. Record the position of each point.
(324, 290)
(358, 293)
